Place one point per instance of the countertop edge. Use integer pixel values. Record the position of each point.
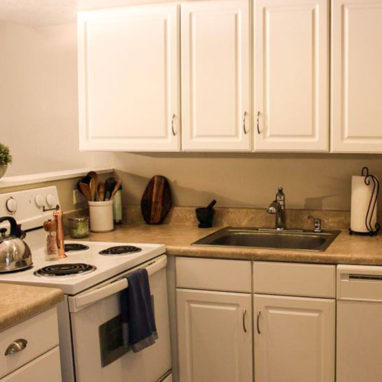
(20, 314)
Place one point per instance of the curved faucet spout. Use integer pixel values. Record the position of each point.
(277, 207)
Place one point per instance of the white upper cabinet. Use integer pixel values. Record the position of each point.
(356, 120)
(215, 40)
(291, 75)
(128, 79)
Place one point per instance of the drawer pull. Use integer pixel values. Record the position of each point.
(258, 322)
(16, 346)
(244, 320)
(365, 277)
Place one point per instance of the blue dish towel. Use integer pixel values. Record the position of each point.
(138, 321)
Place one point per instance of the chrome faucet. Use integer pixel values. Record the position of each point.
(277, 207)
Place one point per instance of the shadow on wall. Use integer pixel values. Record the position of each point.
(310, 181)
(134, 186)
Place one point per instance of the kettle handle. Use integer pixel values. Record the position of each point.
(15, 228)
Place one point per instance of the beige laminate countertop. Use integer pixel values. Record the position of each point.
(346, 249)
(21, 302)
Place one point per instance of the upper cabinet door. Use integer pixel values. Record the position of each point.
(128, 79)
(356, 118)
(215, 39)
(291, 66)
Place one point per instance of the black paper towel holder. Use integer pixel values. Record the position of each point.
(368, 179)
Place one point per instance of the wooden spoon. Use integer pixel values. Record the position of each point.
(101, 191)
(93, 189)
(116, 188)
(85, 189)
(109, 187)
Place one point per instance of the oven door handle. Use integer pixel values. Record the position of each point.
(77, 303)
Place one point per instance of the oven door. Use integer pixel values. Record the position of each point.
(99, 355)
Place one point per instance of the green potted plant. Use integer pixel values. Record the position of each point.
(5, 159)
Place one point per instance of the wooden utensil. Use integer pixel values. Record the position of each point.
(156, 200)
(101, 191)
(93, 189)
(109, 187)
(116, 188)
(85, 190)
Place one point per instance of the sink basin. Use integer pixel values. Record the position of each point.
(270, 238)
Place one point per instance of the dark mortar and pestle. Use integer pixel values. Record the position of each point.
(205, 215)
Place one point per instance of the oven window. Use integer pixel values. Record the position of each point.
(111, 341)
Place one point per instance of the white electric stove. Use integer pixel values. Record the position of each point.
(91, 276)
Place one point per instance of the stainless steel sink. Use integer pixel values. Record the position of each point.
(270, 238)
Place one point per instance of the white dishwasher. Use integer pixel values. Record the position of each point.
(359, 323)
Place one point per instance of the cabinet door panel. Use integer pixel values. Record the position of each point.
(215, 75)
(214, 336)
(359, 338)
(291, 75)
(356, 76)
(128, 79)
(294, 339)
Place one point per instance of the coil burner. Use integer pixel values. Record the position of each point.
(120, 250)
(72, 269)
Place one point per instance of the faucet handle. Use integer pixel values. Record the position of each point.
(317, 223)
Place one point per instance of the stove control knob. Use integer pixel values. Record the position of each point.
(11, 205)
(51, 200)
(39, 200)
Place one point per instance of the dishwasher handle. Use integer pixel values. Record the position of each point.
(77, 303)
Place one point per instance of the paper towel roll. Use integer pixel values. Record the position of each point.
(361, 194)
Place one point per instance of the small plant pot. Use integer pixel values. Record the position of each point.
(3, 170)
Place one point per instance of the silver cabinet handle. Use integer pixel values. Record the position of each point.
(244, 320)
(244, 128)
(258, 123)
(16, 346)
(258, 322)
(172, 125)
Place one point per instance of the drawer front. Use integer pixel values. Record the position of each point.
(45, 368)
(41, 334)
(290, 279)
(211, 274)
(358, 282)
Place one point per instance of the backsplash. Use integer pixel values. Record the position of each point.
(248, 217)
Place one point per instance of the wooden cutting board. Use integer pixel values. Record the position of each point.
(156, 200)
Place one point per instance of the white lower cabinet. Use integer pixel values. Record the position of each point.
(294, 339)
(29, 351)
(214, 336)
(44, 368)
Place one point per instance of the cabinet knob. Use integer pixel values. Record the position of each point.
(173, 125)
(16, 346)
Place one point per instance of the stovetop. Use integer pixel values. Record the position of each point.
(95, 267)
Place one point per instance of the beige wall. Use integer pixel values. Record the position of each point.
(38, 99)
(310, 181)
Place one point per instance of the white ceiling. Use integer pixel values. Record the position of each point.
(54, 12)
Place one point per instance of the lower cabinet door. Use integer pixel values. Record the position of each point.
(42, 369)
(294, 339)
(359, 339)
(214, 336)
